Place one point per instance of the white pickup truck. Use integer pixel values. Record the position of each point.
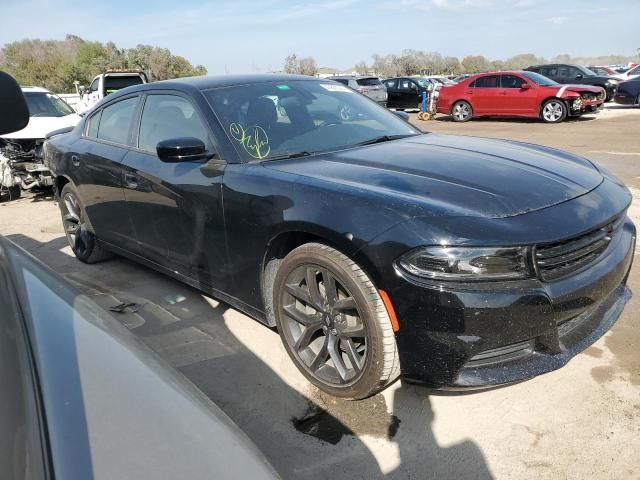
(106, 83)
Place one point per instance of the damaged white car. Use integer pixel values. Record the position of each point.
(21, 162)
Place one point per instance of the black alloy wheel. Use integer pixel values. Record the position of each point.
(81, 240)
(333, 323)
(324, 325)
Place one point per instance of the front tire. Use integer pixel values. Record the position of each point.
(553, 111)
(333, 323)
(74, 220)
(461, 111)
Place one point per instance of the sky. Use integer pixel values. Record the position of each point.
(238, 36)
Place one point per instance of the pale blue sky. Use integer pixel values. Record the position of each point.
(248, 36)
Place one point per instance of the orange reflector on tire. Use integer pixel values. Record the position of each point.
(392, 313)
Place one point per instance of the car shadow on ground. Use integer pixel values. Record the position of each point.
(303, 433)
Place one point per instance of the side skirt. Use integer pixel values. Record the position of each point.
(206, 289)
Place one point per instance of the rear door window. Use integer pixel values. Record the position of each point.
(549, 71)
(115, 123)
(406, 84)
(490, 81)
(169, 116)
(393, 83)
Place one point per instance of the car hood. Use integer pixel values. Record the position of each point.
(560, 89)
(39, 127)
(455, 175)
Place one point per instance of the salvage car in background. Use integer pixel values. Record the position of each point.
(517, 94)
(459, 262)
(576, 75)
(628, 92)
(21, 163)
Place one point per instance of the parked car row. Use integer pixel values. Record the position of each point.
(550, 92)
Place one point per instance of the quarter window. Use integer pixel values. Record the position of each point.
(169, 116)
(92, 125)
(115, 124)
(391, 83)
(511, 81)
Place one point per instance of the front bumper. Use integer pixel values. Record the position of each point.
(481, 336)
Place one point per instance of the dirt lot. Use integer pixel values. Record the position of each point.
(579, 422)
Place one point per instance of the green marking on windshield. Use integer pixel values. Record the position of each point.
(283, 87)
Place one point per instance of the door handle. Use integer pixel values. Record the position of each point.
(131, 180)
(75, 160)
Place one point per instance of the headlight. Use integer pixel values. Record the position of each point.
(467, 263)
(612, 81)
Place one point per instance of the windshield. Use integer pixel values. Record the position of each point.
(423, 82)
(276, 119)
(539, 79)
(586, 71)
(45, 104)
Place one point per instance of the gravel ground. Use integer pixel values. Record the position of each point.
(578, 422)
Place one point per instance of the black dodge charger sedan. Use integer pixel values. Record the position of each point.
(375, 250)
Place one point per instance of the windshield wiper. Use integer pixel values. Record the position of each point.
(287, 155)
(383, 138)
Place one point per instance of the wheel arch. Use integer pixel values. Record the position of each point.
(551, 97)
(466, 100)
(286, 241)
(59, 183)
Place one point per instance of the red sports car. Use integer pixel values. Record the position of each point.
(517, 94)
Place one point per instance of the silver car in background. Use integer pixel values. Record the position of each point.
(368, 86)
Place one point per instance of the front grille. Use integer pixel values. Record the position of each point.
(558, 259)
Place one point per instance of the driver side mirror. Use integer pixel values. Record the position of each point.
(526, 86)
(15, 113)
(184, 149)
(82, 89)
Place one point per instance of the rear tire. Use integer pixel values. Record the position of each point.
(333, 323)
(461, 111)
(74, 220)
(14, 192)
(553, 110)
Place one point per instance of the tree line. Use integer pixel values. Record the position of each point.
(415, 62)
(57, 64)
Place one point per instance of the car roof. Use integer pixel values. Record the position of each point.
(350, 77)
(207, 82)
(34, 89)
